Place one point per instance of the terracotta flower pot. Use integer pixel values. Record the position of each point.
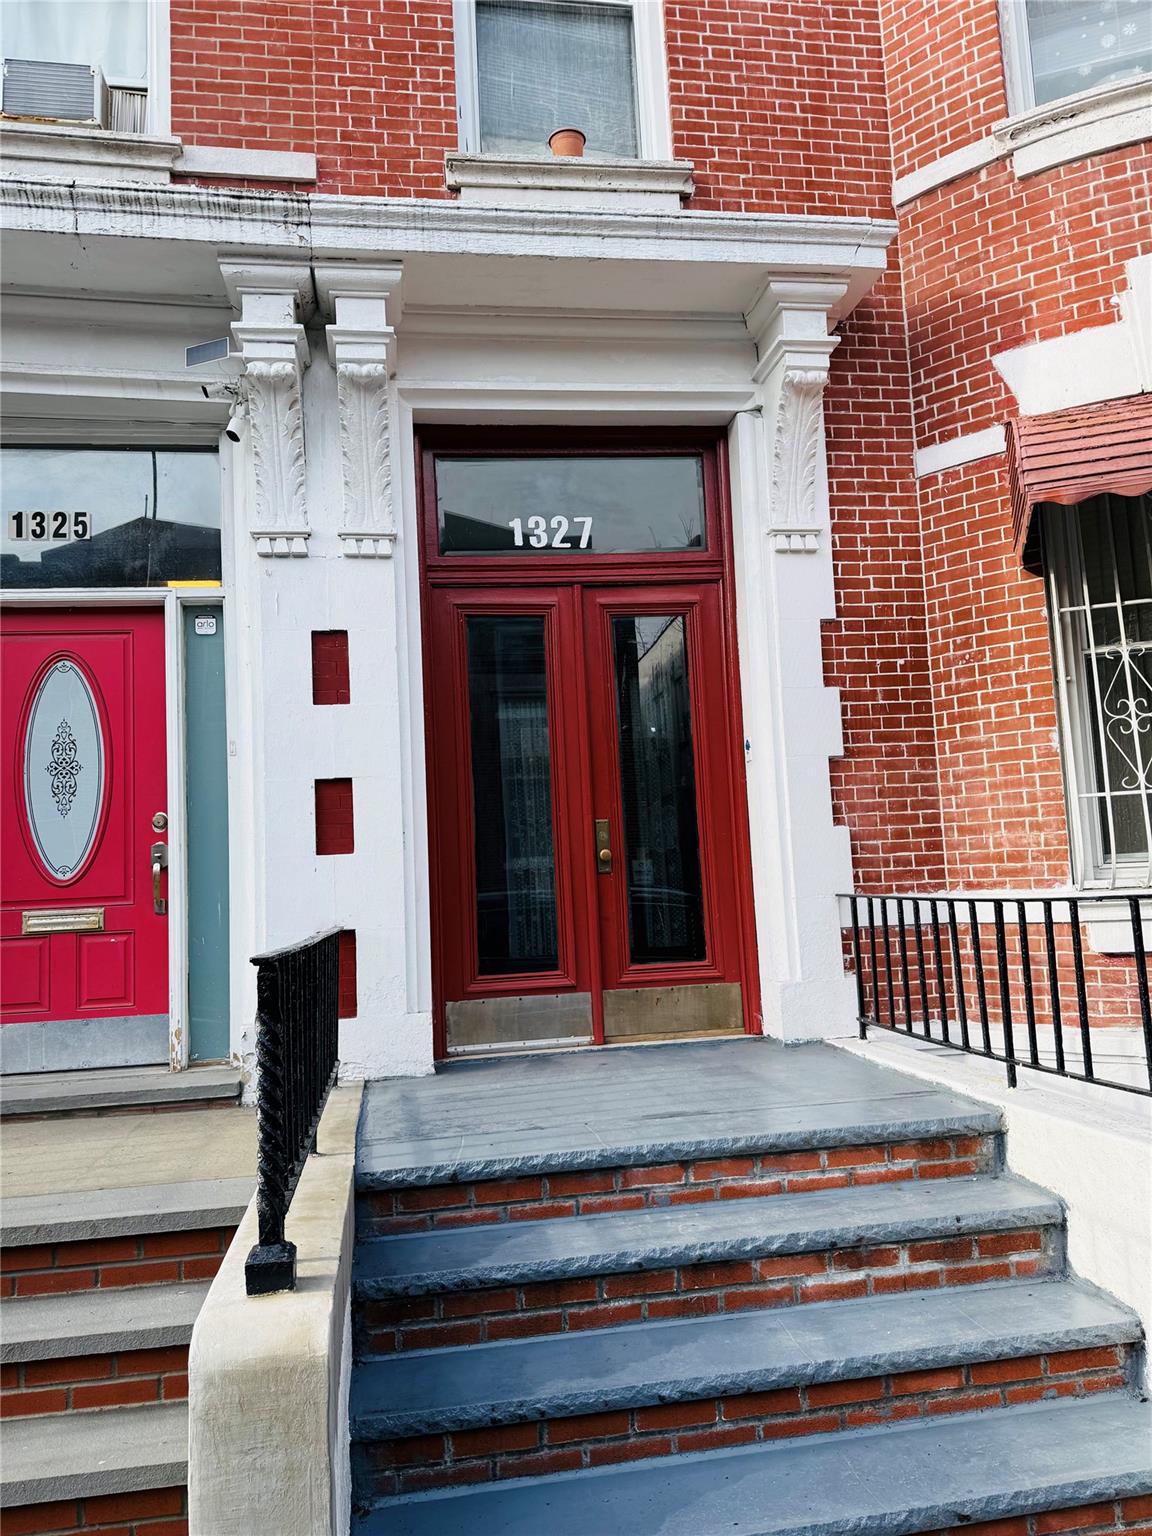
(567, 141)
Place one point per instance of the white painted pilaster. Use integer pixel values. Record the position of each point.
(784, 591)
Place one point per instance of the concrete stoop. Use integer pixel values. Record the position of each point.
(843, 1318)
(100, 1285)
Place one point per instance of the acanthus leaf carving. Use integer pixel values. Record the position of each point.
(793, 521)
(365, 439)
(276, 424)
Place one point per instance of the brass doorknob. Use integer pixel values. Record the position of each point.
(605, 855)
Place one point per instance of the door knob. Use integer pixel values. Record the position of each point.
(159, 862)
(603, 846)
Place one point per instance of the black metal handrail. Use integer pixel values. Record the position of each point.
(297, 1008)
(933, 982)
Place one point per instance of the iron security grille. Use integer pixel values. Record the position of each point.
(1099, 560)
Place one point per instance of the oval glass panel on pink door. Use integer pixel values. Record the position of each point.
(65, 769)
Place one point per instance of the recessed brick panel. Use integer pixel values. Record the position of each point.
(347, 991)
(330, 680)
(335, 831)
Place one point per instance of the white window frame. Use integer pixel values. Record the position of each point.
(159, 117)
(1081, 719)
(653, 120)
(1019, 80)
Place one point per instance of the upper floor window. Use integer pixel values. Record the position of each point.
(1099, 561)
(1057, 48)
(84, 62)
(526, 68)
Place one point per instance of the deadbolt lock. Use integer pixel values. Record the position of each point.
(160, 822)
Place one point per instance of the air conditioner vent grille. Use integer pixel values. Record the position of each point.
(70, 93)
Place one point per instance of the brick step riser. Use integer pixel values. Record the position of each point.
(94, 1381)
(1125, 1517)
(599, 1192)
(148, 1512)
(157, 1258)
(599, 1439)
(698, 1290)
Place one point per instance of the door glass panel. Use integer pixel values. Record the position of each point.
(570, 506)
(658, 789)
(512, 794)
(64, 769)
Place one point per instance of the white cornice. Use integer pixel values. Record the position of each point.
(320, 224)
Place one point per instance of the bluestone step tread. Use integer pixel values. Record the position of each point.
(643, 1104)
(509, 1253)
(99, 1322)
(654, 1362)
(39, 1093)
(69, 1217)
(105, 1450)
(890, 1481)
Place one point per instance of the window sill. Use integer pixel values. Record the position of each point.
(96, 154)
(85, 154)
(1107, 117)
(652, 186)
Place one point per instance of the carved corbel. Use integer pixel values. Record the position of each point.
(794, 525)
(369, 528)
(276, 431)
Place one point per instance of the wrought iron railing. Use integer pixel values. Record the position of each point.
(1007, 978)
(297, 1004)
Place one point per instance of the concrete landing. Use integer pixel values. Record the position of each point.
(639, 1104)
(46, 1093)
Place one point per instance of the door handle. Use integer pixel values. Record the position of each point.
(159, 862)
(603, 847)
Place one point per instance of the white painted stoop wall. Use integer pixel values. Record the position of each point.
(1090, 1146)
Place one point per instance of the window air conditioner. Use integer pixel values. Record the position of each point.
(55, 93)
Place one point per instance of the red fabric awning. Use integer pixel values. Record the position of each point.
(1068, 456)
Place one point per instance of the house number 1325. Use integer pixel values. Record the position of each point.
(540, 533)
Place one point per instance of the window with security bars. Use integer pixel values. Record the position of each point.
(1098, 556)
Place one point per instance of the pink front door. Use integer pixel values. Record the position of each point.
(84, 939)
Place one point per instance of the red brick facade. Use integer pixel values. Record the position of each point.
(951, 774)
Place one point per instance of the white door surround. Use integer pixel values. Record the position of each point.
(448, 314)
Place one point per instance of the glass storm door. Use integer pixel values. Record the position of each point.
(84, 943)
(583, 815)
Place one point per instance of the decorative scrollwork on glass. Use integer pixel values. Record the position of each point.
(64, 768)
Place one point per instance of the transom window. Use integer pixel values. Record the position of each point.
(1099, 561)
(526, 68)
(1057, 48)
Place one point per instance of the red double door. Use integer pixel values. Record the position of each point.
(84, 938)
(587, 817)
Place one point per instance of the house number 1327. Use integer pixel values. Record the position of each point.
(540, 533)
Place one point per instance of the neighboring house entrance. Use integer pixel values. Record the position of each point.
(587, 798)
(84, 980)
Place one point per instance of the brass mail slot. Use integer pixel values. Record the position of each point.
(63, 920)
